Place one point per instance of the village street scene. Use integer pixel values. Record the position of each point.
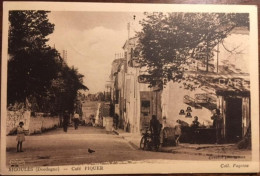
(127, 88)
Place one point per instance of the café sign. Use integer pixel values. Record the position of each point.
(143, 79)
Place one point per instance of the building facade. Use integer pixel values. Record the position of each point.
(135, 102)
(225, 86)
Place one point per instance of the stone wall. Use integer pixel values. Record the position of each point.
(14, 117)
(32, 125)
(40, 124)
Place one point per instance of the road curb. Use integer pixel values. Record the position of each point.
(129, 141)
(116, 132)
(133, 145)
(210, 155)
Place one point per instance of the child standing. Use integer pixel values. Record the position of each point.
(20, 137)
(177, 132)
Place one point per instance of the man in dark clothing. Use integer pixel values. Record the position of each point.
(66, 118)
(116, 119)
(217, 124)
(155, 128)
(195, 123)
(194, 126)
(154, 125)
(76, 121)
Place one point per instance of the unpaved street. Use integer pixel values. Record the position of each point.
(59, 148)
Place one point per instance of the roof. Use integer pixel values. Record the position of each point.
(132, 39)
(116, 65)
(222, 84)
(244, 93)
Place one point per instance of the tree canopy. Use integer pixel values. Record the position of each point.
(36, 72)
(168, 40)
(28, 30)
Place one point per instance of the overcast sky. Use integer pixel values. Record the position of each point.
(91, 40)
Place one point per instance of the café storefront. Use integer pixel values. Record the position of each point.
(235, 108)
(230, 95)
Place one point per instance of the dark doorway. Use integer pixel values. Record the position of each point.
(233, 119)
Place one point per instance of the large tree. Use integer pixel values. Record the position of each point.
(66, 87)
(168, 41)
(36, 72)
(31, 63)
(28, 30)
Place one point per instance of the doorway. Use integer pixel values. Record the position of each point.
(233, 120)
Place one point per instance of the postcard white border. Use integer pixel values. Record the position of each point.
(184, 166)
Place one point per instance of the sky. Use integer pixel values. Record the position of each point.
(92, 39)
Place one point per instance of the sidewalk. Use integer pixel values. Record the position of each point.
(132, 138)
(212, 151)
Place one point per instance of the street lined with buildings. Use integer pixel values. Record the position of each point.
(222, 83)
(111, 146)
(163, 100)
(125, 109)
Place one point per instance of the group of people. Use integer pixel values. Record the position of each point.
(66, 120)
(156, 128)
(217, 126)
(157, 132)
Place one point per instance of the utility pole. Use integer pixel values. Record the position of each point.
(217, 56)
(128, 32)
(207, 50)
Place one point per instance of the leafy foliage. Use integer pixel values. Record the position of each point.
(36, 72)
(28, 30)
(168, 41)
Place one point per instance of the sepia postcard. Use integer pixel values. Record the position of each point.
(124, 88)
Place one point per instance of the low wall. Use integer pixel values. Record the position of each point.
(14, 117)
(41, 124)
(33, 125)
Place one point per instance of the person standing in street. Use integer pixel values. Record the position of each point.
(20, 137)
(76, 120)
(177, 132)
(155, 128)
(194, 130)
(66, 118)
(92, 120)
(116, 119)
(217, 124)
(164, 132)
